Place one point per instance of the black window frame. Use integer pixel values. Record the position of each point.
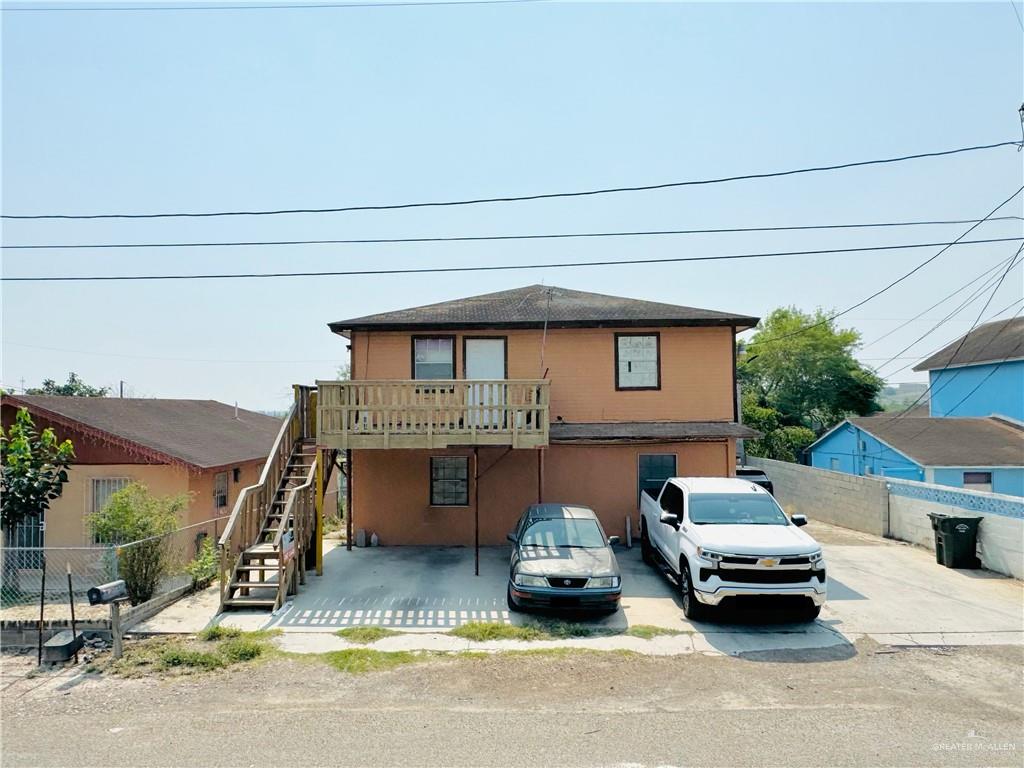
(618, 368)
(431, 500)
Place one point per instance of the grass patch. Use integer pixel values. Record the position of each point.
(649, 631)
(237, 649)
(218, 632)
(361, 660)
(180, 656)
(365, 635)
(482, 631)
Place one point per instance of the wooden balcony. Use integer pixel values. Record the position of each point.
(432, 414)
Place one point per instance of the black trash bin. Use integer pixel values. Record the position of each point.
(956, 540)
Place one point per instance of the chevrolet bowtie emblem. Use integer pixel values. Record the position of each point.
(768, 562)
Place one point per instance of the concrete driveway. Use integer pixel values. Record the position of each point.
(892, 592)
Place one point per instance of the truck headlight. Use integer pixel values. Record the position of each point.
(817, 561)
(707, 554)
(603, 582)
(526, 580)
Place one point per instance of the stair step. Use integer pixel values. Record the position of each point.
(254, 585)
(254, 602)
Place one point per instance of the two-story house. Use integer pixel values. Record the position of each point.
(972, 433)
(460, 414)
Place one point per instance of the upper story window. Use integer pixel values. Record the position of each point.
(433, 357)
(637, 361)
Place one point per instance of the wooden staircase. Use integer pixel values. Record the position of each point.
(273, 524)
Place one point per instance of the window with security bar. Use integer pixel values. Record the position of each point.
(449, 481)
(102, 489)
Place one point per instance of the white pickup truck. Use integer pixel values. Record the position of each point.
(721, 537)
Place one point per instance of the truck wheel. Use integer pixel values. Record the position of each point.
(513, 606)
(646, 551)
(693, 609)
(810, 611)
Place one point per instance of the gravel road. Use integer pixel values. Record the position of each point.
(864, 706)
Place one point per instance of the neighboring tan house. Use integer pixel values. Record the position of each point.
(460, 414)
(969, 435)
(202, 447)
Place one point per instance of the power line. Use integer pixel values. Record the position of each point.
(479, 238)
(1017, 14)
(521, 198)
(891, 285)
(984, 286)
(941, 301)
(271, 7)
(963, 340)
(509, 267)
(919, 358)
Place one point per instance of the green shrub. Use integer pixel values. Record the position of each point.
(133, 514)
(203, 568)
(243, 648)
(218, 632)
(177, 656)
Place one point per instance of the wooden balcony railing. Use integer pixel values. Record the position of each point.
(432, 414)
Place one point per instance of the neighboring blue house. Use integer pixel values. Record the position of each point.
(980, 374)
(974, 435)
(972, 453)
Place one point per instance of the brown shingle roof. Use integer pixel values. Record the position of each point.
(950, 442)
(566, 432)
(529, 307)
(202, 433)
(988, 343)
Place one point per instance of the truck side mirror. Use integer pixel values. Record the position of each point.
(799, 520)
(669, 519)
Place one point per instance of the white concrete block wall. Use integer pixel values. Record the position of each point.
(832, 497)
(865, 504)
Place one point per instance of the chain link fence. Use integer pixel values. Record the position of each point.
(34, 574)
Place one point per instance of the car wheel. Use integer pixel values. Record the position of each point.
(693, 609)
(513, 606)
(646, 551)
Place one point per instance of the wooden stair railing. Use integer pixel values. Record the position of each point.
(280, 504)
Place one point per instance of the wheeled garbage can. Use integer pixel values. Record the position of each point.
(956, 540)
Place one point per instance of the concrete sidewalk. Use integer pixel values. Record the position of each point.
(891, 592)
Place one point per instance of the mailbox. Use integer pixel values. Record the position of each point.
(108, 593)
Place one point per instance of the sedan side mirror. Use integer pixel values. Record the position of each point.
(511, 537)
(613, 541)
(798, 520)
(669, 519)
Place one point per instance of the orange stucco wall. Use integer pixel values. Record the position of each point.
(66, 524)
(392, 488)
(696, 371)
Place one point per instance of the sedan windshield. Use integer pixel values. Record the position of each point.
(735, 509)
(561, 532)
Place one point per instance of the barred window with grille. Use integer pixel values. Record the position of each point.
(102, 489)
(449, 481)
(220, 490)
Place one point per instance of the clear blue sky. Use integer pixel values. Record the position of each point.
(204, 110)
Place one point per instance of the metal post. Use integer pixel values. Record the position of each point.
(348, 499)
(540, 475)
(42, 599)
(71, 599)
(115, 628)
(476, 511)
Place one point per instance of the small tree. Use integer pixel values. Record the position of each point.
(74, 387)
(135, 517)
(35, 468)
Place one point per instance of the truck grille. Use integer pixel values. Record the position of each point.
(568, 582)
(765, 575)
(752, 559)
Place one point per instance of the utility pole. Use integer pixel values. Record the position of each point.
(121, 388)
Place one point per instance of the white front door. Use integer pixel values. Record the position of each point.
(485, 359)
